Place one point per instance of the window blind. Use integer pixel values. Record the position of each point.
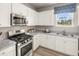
(65, 9)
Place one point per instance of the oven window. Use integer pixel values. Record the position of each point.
(26, 49)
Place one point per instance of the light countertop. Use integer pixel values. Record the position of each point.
(5, 43)
(55, 34)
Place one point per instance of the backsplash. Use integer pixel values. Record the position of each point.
(4, 30)
(69, 30)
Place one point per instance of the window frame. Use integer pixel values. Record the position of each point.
(72, 21)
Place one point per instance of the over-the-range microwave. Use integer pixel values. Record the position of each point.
(17, 19)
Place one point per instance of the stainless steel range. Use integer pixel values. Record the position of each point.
(23, 42)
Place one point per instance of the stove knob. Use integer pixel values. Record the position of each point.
(19, 44)
(25, 40)
(28, 39)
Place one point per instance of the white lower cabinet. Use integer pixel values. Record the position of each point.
(35, 42)
(59, 44)
(51, 42)
(62, 44)
(43, 40)
(67, 45)
(8, 52)
(71, 46)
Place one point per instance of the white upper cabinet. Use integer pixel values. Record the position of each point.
(5, 10)
(78, 13)
(32, 17)
(46, 18)
(19, 8)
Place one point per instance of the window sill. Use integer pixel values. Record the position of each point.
(64, 25)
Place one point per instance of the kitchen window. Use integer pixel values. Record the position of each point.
(64, 15)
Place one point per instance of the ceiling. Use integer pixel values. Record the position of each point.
(43, 6)
(40, 5)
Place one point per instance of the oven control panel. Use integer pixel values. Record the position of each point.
(25, 42)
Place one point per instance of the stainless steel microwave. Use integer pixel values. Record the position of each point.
(17, 19)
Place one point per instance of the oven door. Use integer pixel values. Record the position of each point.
(25, 50)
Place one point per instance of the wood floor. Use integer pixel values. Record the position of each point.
(42, 51)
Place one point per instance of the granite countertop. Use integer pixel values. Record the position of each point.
(55, 34)
(5, 43)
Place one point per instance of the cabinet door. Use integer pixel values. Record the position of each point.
(5, 10)
(71, 46)
(78, 13)
(19, 8)
(32, 17)
(43, 40)
(35, 42)
(45, 18)
(60, 44)
(51, 42)
(35, 18)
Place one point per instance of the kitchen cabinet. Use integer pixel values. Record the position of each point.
(32, 17)
(43, 40)
(59, 44)
(5, 10)
(51, 42)
(36, 42)
(71, 46)
(10, 51)
(78, 13)
(46, 18)
(63, 44)
(47, 41)
(20, 9)
(67, 45)
(30, 14)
